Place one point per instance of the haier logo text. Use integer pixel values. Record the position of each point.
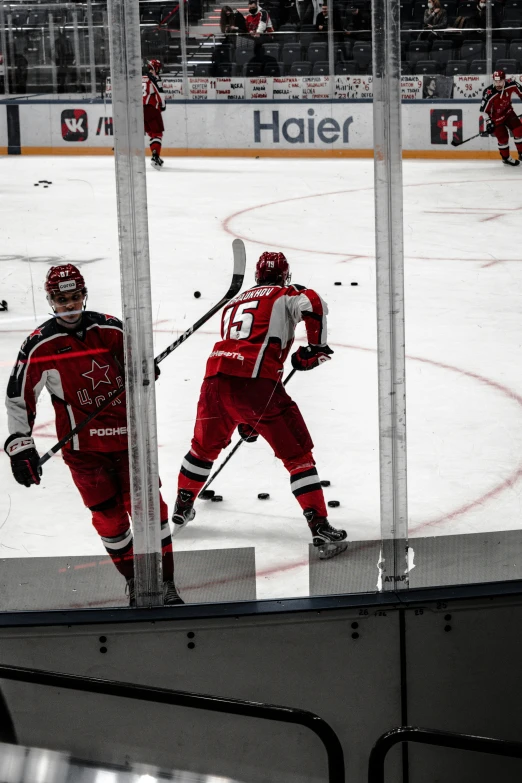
(446, 125)
(297, 130)
(75, 126)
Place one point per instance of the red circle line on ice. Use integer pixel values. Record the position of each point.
(344, 257)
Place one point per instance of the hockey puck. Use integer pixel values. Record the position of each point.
(46, 186)
(334, 503)
(197, 294)
(337, 282)
(325, 483)
(354, 283)
(263, 496)
(216, 498)
(36, 184)
(207, 494)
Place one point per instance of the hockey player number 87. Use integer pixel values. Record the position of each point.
(239, 327)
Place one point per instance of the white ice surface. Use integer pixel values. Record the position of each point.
(464, 327)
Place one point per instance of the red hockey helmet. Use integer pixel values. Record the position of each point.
(499, 75)
(62, 279)
(272, 268)
(155, 65)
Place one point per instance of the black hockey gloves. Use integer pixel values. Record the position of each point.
(309, 356)
(24, 459)
(488, 129)
(247, 433)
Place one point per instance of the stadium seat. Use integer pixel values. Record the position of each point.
(223, 54)
(271, 50)
(406, 68)
(515, 52)
(362, 54)
(512, 25)
(321, 68)
(418, 12)
(425, 67)
(441, 53)
(226, 70)
(417, 50)
(252, 69)
(203, 69)
(290, 53)
(456, 67)
(478, 67)
(450, 6)
(308, 35)
(511, 5)
(499, 50)
(347, 68)
(300, 69)
(317, 52)
(472, 50)
(511, 67)
(273, 69)
(406, 10)
(244, 54)
(287, 33)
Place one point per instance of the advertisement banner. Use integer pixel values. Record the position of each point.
(258, 87)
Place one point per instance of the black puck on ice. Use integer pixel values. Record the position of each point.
(36, 184)
(337, 282)
(354, 283)
(334, 503)
(46, 186)
(325, 483)
(263, 496)
(197, 294)
(216, 498)
(207, 494)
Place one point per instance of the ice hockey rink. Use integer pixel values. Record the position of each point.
(463, 280)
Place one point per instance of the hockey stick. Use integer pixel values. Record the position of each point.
(238, 275)
(238, 444)
(457, 143)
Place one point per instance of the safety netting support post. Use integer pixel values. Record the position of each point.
(131, 193)
(390, 292)
(331, 48)
(3, 44)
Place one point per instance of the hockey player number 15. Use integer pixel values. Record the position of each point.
(239, 327)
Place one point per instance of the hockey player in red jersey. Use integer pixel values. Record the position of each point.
(242, 387)
(153, 105)
(496, 103)
(78, 357)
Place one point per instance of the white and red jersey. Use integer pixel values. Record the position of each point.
(258, 327)
(259, 22)
(497, 103)
(80, 369)
(151, 94)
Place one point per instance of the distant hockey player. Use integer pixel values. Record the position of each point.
(496, 103)
(153, 105)
(78, 357)
(242, 387)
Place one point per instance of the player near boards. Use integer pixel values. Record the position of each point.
(242, 387)
(78, 356)
(153, 106)
(496, 103)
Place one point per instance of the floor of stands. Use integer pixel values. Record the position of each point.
(463, 277)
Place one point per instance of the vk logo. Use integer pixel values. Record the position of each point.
(75, 126)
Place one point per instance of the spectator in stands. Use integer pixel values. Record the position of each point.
(288, 11)
(479, 18)
(258, 21)
(359, 24)
(321, 23)
(64, 58)
(435, 18)
(308, 10)
(232, 22)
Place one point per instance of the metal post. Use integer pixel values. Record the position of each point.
(390, 290)
(131, 192)
(489, 38)
(11, 46)
(52, 50)
(92, 61)
(76, 44)
(3, 44)
(331, 49)
(183, 34)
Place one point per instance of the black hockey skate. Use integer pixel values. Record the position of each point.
(183, 510)
(328, 541)
(130, 591)
(510, 161)
(156, 160)
(170, 594)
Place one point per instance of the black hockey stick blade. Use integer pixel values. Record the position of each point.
(238, 444)
(238, 276)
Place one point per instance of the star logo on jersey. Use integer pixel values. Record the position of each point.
(36, 333)
(98, 374)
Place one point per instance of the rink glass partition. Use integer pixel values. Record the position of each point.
(61, 83)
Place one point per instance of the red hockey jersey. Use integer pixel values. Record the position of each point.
(151, 94)
(497, 103)
(80, 369)
(259, 22)
(258, 326)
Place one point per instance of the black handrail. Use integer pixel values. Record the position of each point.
(250, 709)
(446, 739)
